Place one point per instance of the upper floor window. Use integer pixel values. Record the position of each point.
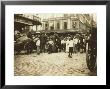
(74, 24)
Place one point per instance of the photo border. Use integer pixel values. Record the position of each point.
(4, 3)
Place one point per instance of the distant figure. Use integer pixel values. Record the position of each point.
(75, 44)
(17, 35)
(67, 45)
(63, 44)
(28, 46)
(38, 46)
(50, 46)
(29, 35)
(57, 43)
(81, 44)
(70, 47)
(43, 40)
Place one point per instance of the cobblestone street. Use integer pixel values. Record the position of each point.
(55, 64)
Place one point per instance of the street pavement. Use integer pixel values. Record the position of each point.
(54, 64)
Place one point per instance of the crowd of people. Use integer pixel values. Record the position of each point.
(54, 43)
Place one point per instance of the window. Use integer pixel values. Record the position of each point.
(46, 26)
(58, 25)
(51, 25)
(65, 25)
(74, 24)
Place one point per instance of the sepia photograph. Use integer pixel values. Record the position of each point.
(55, 44)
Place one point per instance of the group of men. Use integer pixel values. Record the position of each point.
(50, 43)
(73, 44)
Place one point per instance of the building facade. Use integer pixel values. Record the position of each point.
(70, 22)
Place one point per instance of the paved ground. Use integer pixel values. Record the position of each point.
(55, 64)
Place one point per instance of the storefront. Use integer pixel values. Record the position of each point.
(24, 24)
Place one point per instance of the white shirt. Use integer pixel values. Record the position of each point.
(75, 41)
(50, 42)
(67, 42)
(70, 43)
(62, 42)
(38, 43)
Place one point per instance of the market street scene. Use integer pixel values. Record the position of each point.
(55, 44)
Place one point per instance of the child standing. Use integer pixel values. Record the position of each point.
(70, 47)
